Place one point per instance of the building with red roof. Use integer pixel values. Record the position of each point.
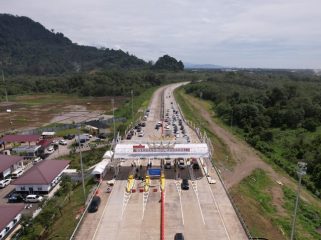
(8, 164)
(42, 177)
(9, 218)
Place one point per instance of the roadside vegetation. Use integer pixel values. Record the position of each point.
(278, 113)
(254, 197)
(59, 215)
(221, 153)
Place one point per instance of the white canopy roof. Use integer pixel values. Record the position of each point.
(161, 150)
(100, 167)
(108, 154)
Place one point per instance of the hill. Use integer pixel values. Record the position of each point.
(27, 47)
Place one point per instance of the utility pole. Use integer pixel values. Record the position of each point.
(132, 93)
(113, 103)
(5, 89)
(302, 168)
(81, 165)
(232, 118)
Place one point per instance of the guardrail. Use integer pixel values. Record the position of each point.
(84, 212)
(203, 138)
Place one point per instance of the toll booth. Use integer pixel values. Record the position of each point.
(154, 172)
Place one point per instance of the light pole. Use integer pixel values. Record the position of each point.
(81, 165)
(113, 103)
(302, 168)
(132, 93)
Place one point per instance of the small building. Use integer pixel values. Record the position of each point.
(46, 135)
(20, 139)
(8, 164)
(9, 218)
(42, 177)
(27, 151)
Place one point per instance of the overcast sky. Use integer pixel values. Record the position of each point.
(240, 33)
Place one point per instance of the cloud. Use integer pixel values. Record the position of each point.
(250, 33)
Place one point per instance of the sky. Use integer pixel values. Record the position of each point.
(234, 33)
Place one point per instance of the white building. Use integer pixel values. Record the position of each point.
(9, 218)
(42, 177)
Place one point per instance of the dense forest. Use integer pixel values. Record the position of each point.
(36, 60)
(28, 47)
(279, 113)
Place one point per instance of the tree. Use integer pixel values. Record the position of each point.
(168, 63)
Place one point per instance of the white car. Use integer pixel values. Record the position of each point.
(181, 163)
(50, 149)
(36, 160)
(33, 198)
(4, 183)
(141, 134)
(62, 142)
(177, 135)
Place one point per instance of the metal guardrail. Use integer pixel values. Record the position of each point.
(211, 148)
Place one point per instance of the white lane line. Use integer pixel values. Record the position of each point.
(194, 184)
(219, 212)
(179, 191)
(101, 217)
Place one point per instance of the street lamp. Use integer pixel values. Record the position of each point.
(113, 106)
(81, 165)
(302, 168)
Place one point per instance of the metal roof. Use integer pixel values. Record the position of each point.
(6, 161)
(42, 173)
(20, 138)
(8, 213)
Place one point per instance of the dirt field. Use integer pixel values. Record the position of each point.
(30, 111)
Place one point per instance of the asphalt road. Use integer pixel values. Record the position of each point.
(202, 212)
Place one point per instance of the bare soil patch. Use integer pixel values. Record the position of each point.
(29, 111)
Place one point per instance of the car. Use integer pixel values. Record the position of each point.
(141, 134)
(181, 163)
(62, 142)
(94, 204)
(167, 164)
(102, 135)
(177, 135)
(32, 198)
(196, 166)
(36, 160)
(185, 184)
(5, 182)
(129, 136)
(50, 149)
(15, 198)
(132, 132)
(143, 124)
(179, 236)
(69, 136)
(17, 173)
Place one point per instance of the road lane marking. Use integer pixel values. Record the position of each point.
(219, 212)
(179, 191)
(101, 217)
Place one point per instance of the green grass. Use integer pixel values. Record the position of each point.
(64, 224)
(140, 104)
(254, 198)
(89, 158)
(221, 153)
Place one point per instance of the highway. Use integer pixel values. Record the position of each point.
(202, 212)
